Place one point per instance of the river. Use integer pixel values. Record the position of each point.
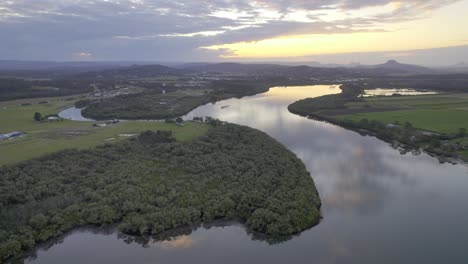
(73, 113)
(379, 206)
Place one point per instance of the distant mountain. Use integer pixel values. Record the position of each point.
(394, 67)
(329, 65)
(266, 69)
(391, 67)
(461, 64)
(460, 67)
(287, 70)
(16, 65)
(191, 65)
(314, 64)
(353, 64)
(232, 67)
(317, 64)
(136, 71)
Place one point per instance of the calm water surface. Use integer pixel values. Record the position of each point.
(74, 114)
(378, 206)
(389, 92)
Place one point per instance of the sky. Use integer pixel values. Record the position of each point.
(431, 32)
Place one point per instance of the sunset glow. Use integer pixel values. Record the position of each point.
(439, 29)
(243, 30)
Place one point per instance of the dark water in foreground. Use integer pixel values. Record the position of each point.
(378, 206)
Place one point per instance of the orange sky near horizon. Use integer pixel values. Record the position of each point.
(445, 27)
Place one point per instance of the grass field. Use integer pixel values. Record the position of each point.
(441, 121)
(192, 92)
(463, 154)
(445, 113)
(427, 101)
(48, 137)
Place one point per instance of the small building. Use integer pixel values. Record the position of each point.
(107, 123)
(429, 133)
(11, 135)
(390, 125)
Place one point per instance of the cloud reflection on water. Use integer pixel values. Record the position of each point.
(350, 174)
(179, 243)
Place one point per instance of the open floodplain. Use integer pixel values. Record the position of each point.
(440, 114)
(51, 136)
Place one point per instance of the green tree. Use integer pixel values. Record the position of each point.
(364, 122)
(462, 132)
(408, 125)
(37, 116)
(38, 221)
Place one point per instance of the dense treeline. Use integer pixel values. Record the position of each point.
(133, 72)
(12, 88)
(409, 137)
(437, 82)
(143, 106)
(152, 183)
(239, 88)
(154, 105)
(312, 106)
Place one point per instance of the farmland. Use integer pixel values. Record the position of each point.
(445, 113)
(434, 123)
(48, 137)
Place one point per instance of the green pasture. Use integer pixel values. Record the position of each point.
(445, 113)
(48, 137)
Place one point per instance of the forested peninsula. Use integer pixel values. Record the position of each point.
(152, 183)
(157, 105)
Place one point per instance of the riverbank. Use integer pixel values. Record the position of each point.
(153, 183)
(48, 137)
(168, 105)
(435, 124)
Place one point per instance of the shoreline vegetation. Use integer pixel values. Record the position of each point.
(155, 105)
(173, 103)
(153, 183)
(148, 240)
(373, 116)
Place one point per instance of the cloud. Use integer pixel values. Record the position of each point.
(83, 55)
(164, 29)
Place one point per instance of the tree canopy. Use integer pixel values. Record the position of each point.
(152, 183)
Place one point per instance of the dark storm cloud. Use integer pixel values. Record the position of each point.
(168, 30)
